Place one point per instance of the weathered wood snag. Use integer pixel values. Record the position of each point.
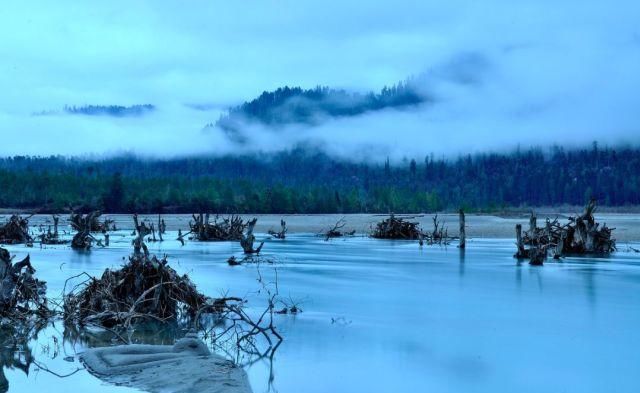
(463, 236)
(141, 230)
(15, 231)
(283, 231)
(336, 230)
(83, 239)
(247, 239)
(21, 294)
(580, 236)
(162, 226)
(52, 236)
(91, 221)
(230, 228)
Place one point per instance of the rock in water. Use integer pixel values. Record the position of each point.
(185, 367)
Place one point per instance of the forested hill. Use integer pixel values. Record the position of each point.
(296, 105)
(110, 110)
(310, 182)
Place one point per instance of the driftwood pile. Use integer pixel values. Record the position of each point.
(582, 235)
(146, 287)
(21, 294)
(397, 228)
(229, 228)
(15, 231)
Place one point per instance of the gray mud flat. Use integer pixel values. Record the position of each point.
(186, 367)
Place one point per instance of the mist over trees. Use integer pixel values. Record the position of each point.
(294, 105)
(302, 181)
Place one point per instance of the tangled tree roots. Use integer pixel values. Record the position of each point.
(21, 294)
(580, 236)
(15, 231)
(230, 228)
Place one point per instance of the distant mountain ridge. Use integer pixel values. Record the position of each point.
(110, 110)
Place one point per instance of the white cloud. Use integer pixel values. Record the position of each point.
(561, 72)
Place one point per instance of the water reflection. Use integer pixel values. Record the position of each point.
(16, 352)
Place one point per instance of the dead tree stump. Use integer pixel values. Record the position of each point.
(463, 236)
(247, 239)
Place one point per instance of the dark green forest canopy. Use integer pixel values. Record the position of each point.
(302, 181)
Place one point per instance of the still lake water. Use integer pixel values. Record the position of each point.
(384, 316)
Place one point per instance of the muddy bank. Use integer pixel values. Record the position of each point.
(627, 226)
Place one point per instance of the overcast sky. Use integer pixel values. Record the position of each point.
(533, 72)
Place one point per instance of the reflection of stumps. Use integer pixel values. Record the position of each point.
(463, 236)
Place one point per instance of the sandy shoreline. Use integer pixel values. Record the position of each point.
(478, 226)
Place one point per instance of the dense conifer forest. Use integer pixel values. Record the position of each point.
(303, 181)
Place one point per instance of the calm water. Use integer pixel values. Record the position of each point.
(382, 316)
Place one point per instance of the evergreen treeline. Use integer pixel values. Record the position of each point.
(300, 181)
(110, 110)
(296, 105)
